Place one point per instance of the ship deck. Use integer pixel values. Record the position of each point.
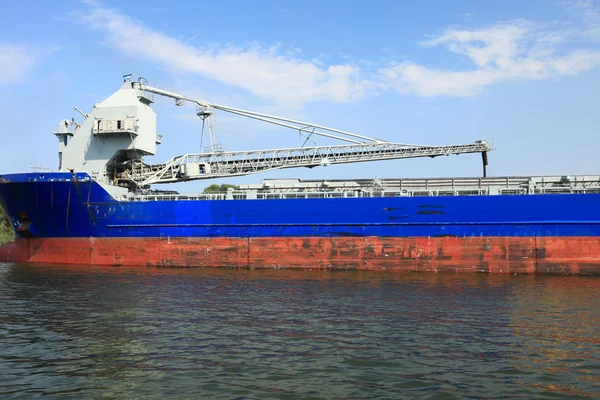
(407, 187)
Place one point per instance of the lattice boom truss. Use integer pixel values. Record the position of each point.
(218, 164)
(224, 164)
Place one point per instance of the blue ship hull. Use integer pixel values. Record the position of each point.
(59, 206)
(65, 206)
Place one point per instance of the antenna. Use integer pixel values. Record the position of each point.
(127, 77)
(85, 115)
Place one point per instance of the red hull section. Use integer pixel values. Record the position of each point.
(500, 255)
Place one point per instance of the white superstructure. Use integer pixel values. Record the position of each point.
(115, 136)
(119, 129)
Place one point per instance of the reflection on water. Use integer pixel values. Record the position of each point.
(172, 333)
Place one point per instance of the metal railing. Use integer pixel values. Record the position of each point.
(39, 169)
(296, 189)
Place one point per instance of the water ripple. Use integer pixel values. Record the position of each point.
(157, 333)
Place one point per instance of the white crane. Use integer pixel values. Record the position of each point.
(213, 162)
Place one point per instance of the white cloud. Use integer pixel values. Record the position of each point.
(261, 70)
(510, 51)
(409, 77)
(15, 62)
(588, 14)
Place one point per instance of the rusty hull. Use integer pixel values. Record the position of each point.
(496, 255)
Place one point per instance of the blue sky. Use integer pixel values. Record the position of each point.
(523, 74)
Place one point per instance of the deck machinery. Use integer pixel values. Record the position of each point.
(113, 139)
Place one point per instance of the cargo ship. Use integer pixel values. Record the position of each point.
(101, 207)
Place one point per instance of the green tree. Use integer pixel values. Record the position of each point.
(216, 188)
(6, 230)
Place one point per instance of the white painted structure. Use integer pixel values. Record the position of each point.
(115, 136)
(121, 128)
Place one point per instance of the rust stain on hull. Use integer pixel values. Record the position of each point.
(496, 255)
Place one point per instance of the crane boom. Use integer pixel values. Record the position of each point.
(219, 164)
(303, 127)
(227, 164)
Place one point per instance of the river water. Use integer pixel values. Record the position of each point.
(91, 332)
